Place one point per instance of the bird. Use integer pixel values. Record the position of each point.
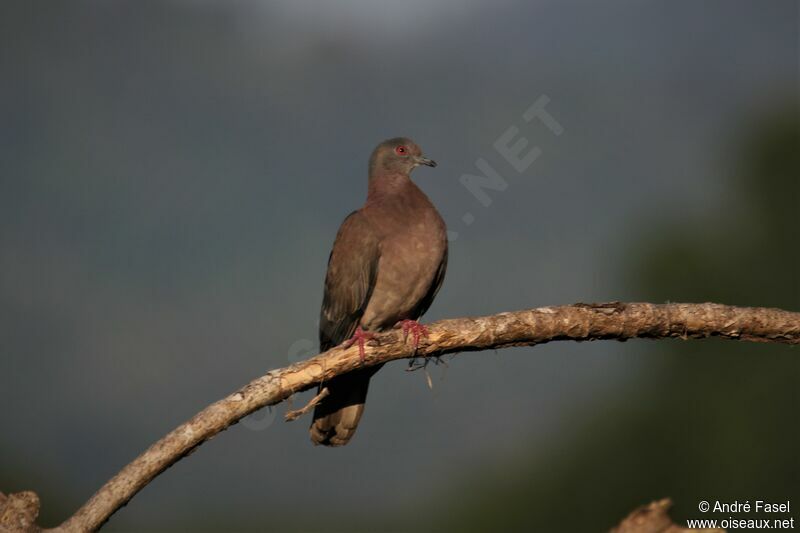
(387, 264)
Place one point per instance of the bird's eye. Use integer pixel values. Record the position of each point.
(400, 150)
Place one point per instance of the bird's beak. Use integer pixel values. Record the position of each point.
(425, 161)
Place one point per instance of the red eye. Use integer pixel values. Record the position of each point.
(400, 149)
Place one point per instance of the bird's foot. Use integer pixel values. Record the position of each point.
(416, 329)
(361, 337)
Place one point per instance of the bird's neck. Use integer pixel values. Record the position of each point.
(383, 186)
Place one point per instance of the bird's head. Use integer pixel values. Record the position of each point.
(397, 156)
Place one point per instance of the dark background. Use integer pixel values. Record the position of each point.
(172, 175)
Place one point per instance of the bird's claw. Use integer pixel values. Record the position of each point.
(361, 337)
(416, 329)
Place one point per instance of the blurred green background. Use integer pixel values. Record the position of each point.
(172, 175)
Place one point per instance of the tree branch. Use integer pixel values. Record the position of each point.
(293, 415)
(579, 322)
(654, 518)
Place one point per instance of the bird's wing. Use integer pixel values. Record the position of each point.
(352, 270)
(427, 300)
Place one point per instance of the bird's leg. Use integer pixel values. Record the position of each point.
(361, 337)
(416, 329)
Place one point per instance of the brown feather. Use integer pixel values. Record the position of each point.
(387, 264)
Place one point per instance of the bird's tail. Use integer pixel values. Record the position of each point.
(336, 416)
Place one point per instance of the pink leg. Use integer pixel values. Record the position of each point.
(416, 329)
(360, 337)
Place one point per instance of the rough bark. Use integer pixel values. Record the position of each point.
(579, 322)
(654, 518)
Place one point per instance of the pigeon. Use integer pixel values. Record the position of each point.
(387, 264)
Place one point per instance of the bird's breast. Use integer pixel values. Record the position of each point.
(411, 255)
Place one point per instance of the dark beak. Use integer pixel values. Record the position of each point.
(425, 161)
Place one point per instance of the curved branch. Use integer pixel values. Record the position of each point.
(579, 322)
(654, 517)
